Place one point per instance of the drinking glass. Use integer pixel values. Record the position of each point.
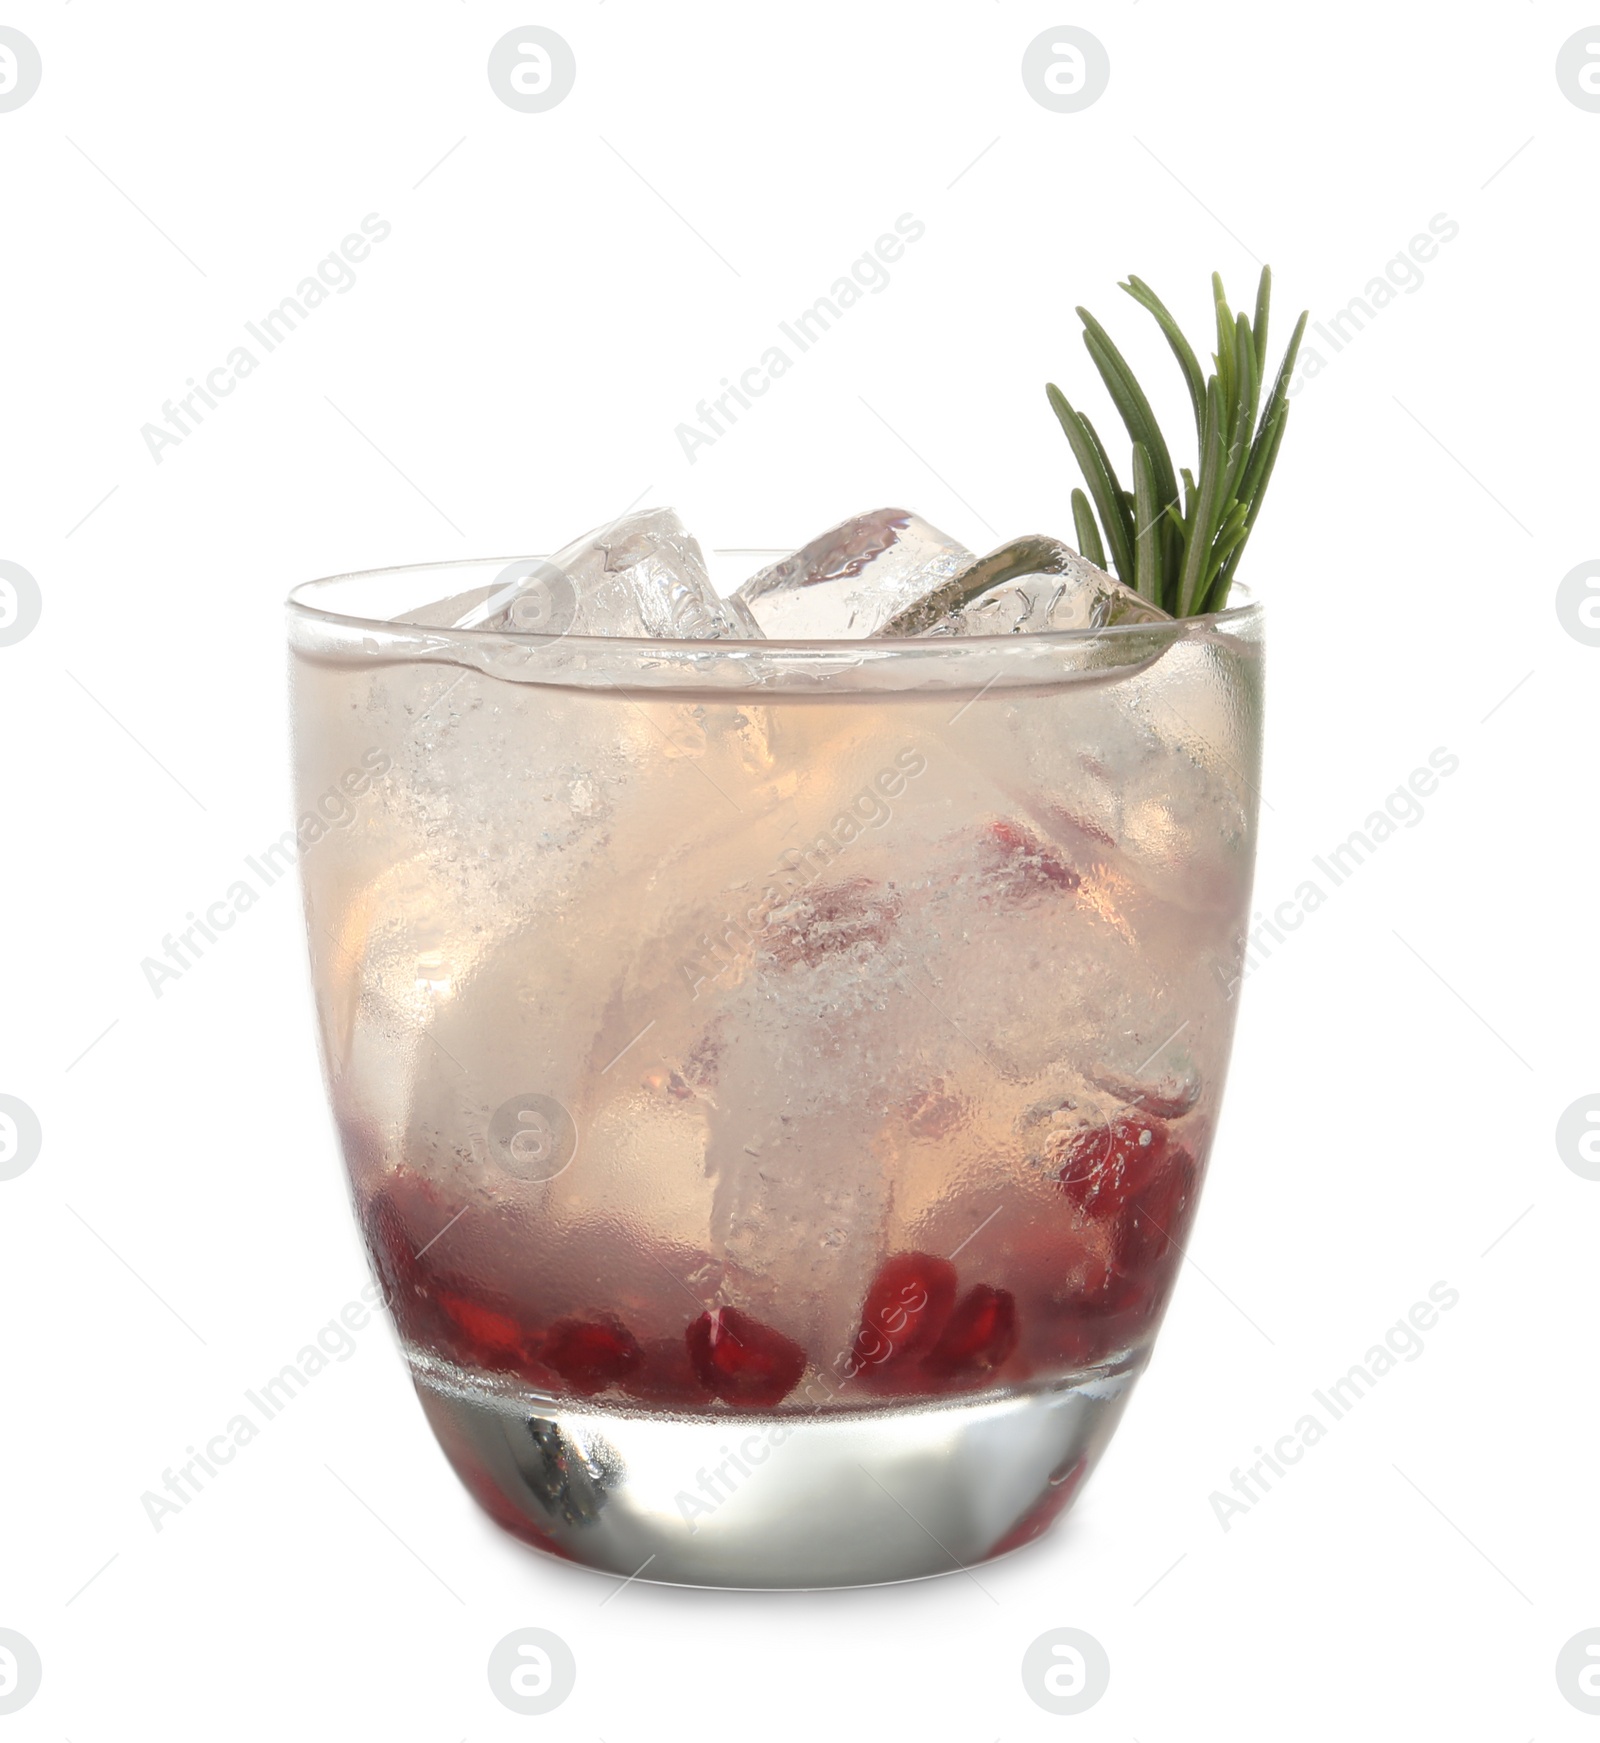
(775, 1079)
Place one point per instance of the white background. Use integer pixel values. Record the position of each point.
(556, 295)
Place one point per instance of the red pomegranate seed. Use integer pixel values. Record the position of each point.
(980, 1334)
(741, 1360)
(1108, 1164)
(486, 1334)
(441, 1310)
(906, 1309)
(404, 1278)
(830, 919)
(590, 1354)
(1023, 863)
(1155, 1222)
(394, 1258)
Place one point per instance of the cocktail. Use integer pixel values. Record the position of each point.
(776, 1041)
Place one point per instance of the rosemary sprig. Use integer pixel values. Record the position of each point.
(1179, 546)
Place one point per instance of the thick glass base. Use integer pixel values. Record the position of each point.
(837, 1498)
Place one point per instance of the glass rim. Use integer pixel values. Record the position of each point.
(1244, 607)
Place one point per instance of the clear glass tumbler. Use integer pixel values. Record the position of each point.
(775, 1078)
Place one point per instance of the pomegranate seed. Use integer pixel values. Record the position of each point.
(980, 1334)
(741, 1360)
(1106, 1165)
(1023, 864)
(1156, 1220)
(590, 1354)
(831, 919)
(486, 1335)
(906, 1309)
(389, 1244)
(404, 1278)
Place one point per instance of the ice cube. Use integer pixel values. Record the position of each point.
(642, 575)
(1032, 583)
(849, 581)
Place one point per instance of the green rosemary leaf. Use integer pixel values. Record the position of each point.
(1178, 544)
(1252, 513)
(1223, 356)
(1147, 515)
(1263, 307)
(1277, 406)
(1121, 502)
(1097, 474)
(1258, 495)
(1204, 512)
(1249, 380)
(1088, 533)
(1233, 531)
(1236, 518)
(1128, 397)
(1194, 378)
(1170, 527)
(1246, 399)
